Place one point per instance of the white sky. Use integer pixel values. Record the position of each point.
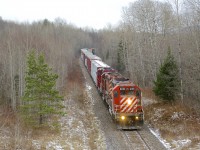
(82, 13)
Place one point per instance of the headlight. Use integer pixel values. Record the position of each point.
(123, 117)
(129, 101)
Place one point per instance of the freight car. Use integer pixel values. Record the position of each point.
(122, 96)
(87, 57)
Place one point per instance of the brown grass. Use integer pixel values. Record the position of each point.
(185, 126)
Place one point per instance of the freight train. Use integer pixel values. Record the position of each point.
(120, 94)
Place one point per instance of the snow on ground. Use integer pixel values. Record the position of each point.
(159, 112)
(147, 101)
(178, 115)
(36, 144)
(101, 138)
(75, 126)
(54, 145)
(88, 90)
(157, 134)
(179, 144)
(88, 87)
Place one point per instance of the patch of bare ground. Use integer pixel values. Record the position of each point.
(178, 124)
(78, 129)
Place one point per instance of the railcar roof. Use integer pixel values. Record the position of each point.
(99, 63)
(90, 55)
(84, 49)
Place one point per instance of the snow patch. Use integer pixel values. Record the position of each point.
(36, 144)
(179, 144)
(163, 141)
(174, 145)
(158, 113)
(55, 145)
(177, 115)
(147, 101)
(88, 87)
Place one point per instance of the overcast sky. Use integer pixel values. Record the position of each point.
(91, 13)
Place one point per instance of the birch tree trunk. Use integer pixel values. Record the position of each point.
(177, 5)
(12, 91)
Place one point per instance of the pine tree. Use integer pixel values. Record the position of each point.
(167, 83)
(40, 99)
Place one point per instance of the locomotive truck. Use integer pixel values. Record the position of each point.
(122, 96)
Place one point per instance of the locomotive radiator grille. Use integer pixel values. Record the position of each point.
(110, 87)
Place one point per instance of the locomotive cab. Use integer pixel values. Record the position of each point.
(127, 106)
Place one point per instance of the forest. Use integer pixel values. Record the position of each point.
(146, 31)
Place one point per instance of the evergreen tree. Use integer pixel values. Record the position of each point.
(167, 83)
(41, 99)
(120, 57)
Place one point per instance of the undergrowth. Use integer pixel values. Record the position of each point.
(175, 121)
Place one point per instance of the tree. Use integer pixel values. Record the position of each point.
(120, 57)
(167, 83)
(177, 4)
(40, 99)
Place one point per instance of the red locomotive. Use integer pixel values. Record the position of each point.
(122, 96)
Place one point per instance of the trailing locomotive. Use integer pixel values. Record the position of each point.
(122, 96)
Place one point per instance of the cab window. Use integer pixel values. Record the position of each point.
(122, 92)
(115, 94)
(130, 92)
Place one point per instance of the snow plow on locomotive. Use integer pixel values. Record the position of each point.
(122, 96)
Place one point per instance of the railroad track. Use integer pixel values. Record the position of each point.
(134, 140)
(146, 144)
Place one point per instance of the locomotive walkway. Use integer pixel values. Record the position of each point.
(119, 139)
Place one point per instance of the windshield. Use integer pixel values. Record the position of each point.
(126, 91)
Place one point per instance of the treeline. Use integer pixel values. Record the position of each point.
(137, 46)
(148, 28)
(58, 41)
